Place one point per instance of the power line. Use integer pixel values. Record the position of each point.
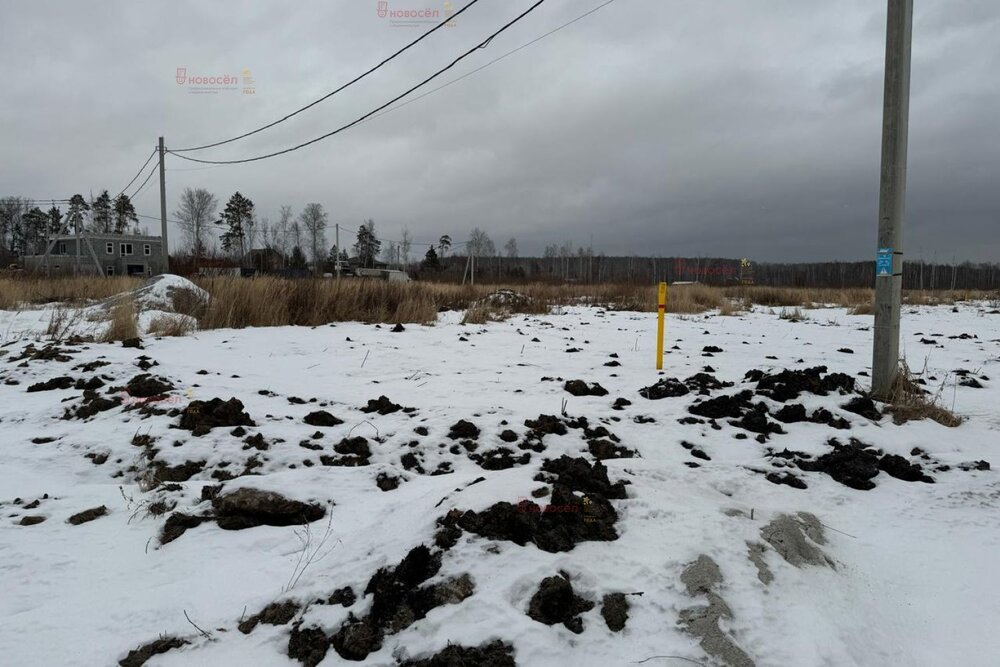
(137, 174)
(441, 71)
(148, 176)
(331, 94)
(495, 60)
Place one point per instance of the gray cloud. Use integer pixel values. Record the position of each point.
(657, 126)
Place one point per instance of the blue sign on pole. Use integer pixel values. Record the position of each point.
(883, 262)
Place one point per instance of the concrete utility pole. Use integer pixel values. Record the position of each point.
(336, 260)
(163, 213)
(892, 198)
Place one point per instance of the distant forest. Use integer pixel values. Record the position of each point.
(710, 270)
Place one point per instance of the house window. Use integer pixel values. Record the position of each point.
(147, 250)
(110, 269)
(109, 248)
(126, 249)
(62, 248)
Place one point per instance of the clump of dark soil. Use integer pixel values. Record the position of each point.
(664, 388)
(723, 406)
(898, 467)
(354, 452)
(603, 450)
(614, 610)
(567, 520)
(91, 404)
(178, 523)
(463, 429)
(343, 596)
(555, 602)
(864, 406)
(824, 416)
(387, 482)
(398, 601)
(508, 435)
(92, 384)
(546, 425)
(856, 464)
(494, 654)
(791, 413)
(138, 657)
(322, 418)
(789, 384)
(581, 388)
(246, 508)
(383, 406)
(181, 472)
(51, 352)
(704, 382)
(147, 386)
(755, 420)
(200, 417)
(63, 382)
(308, 646)
(276, 613)
(786, 478)
(87, 515)
(500, 458)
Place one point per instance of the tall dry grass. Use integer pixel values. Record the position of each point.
(35, 290)
(269, 301)
(123, 323)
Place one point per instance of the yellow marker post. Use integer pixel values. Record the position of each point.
(661, 309)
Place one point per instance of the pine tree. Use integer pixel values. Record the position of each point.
(55, 220)
(123, 213)
(367, 246)
(100, 210)
(297, 260)
(74, 216)
(431, 261)
(35, 227)
(238, 213)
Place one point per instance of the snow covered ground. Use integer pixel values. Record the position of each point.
(908, 573)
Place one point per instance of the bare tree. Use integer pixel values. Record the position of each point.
(404, 248)
(195, 213)
(313, 219)
(510, 248)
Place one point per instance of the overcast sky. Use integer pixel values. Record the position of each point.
(704, 127)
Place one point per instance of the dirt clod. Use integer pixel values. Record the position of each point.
(555, 602)
(246, 508)
(322, 418)
(200, 417)
(614, 610)
(138, 657)
(87, 515)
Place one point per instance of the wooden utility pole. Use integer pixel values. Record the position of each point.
(892, 198)
(336, 260)
(163, 213)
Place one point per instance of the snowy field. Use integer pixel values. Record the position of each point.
(901, 573)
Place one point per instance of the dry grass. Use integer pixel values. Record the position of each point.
(793, 314)
(171, 325)
(32, 290)
(911, 402)
(62, 321)
(268, 301)
(123, 324)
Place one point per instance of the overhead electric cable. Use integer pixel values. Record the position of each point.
(138, 173)
(441, 71)
(332, 93)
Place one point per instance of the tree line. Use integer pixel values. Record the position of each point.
(26, 229)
